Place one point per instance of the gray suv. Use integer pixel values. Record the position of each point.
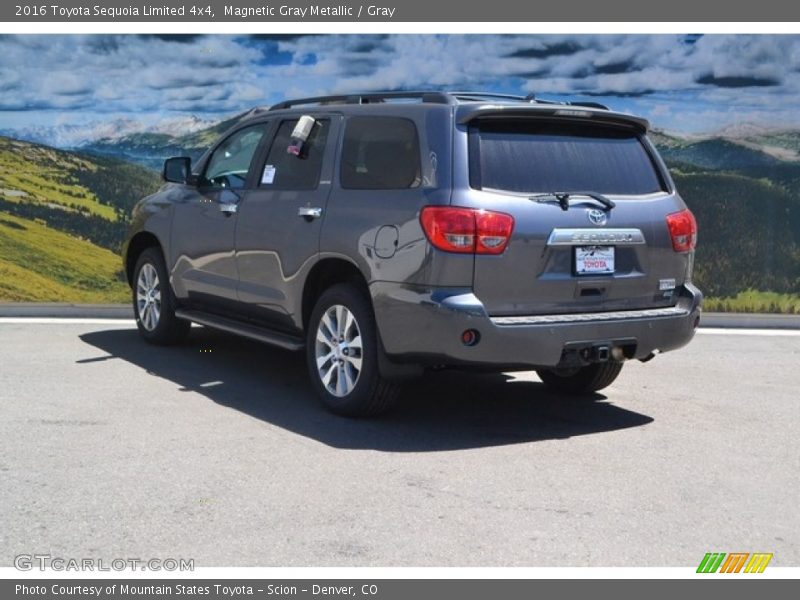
(386, 233)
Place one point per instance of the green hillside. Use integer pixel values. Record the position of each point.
(89, 197)
(37, 174)
(62, 218)
(38, 263)
(718, 154)
(749, 232)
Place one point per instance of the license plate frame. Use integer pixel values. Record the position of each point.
(593, 260)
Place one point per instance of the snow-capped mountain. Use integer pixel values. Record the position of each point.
(70, 136)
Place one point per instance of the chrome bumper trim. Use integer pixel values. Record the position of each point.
(620, 315)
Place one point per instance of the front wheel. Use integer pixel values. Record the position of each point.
(342, 354)
(153, 302)
(581, 380)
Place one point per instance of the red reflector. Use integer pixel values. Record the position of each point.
(466, 230)
(469, 337)
(683, 230)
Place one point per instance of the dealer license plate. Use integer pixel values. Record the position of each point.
(594, 260)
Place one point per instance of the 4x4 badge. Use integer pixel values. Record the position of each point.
(597, 216)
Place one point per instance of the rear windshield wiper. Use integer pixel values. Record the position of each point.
(563, 198)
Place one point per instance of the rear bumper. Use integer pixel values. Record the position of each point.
(425, 326)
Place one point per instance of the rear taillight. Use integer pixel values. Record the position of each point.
(683, 230)
(467, 230)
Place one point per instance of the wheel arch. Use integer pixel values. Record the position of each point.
(326, 273)
(138, 244)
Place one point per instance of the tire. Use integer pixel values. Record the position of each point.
(583, 380)
(342, 354)
(154, 302)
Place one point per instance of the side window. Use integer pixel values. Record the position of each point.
(286, 171)
(230, 162)
(380, 153)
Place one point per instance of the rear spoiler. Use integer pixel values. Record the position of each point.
(466, 113)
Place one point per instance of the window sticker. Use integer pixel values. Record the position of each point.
(268, 176)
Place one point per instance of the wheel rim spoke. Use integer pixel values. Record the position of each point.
(324, 337)
(323, 360)
(348, 323)
(326, 321)
(341, 381)
(350, 375)
(354, 361)
(326, 377)
(339, 320)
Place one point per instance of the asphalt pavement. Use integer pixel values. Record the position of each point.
(218, 451)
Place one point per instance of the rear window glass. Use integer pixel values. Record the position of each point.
(544, 157)
(380, 153)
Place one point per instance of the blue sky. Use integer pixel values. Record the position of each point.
(685, 83)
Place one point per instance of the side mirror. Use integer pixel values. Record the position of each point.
(178, 170)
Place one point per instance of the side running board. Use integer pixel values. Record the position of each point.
(254, 332)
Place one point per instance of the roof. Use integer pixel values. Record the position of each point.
(467, 105)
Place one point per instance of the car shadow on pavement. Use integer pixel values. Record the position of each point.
(445, 410)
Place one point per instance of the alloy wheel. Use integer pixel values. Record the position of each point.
(148, 297)
(338, 350)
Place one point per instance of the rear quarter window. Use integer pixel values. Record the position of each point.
(380, 153)
(542, 157)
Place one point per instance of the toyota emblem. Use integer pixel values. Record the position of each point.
(597, 216)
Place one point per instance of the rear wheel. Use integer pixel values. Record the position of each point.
(153, 302)
(342, 354)
(581, 380)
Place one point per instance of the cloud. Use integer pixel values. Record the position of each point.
(731, 76)
(543, 50)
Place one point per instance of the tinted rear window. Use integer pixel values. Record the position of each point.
(542, 157)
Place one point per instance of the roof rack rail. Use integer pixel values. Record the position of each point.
(487, 95)
(426, 97)
(368, 98)
(533, 98)
(589, 105)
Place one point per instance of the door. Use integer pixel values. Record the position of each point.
(204, 223)
(571, 250)
(279, 223)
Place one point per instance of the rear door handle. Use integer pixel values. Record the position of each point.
(309, 212)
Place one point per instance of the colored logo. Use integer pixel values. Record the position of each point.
(735, 562)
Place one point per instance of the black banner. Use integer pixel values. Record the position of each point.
(396, 11)
(377, 589)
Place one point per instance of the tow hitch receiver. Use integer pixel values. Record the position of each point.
(586, 353)
(596, 354)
